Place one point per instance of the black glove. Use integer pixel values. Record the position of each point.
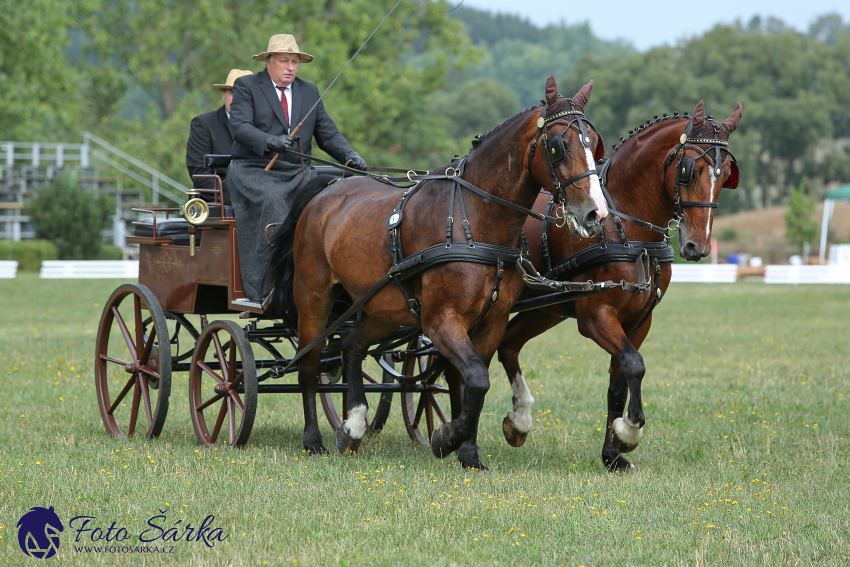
(354, 161)
(280, 144)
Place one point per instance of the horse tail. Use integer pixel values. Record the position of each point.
(280, 269)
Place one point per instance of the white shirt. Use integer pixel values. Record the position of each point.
(288, 90)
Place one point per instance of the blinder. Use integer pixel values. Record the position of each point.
(686, 170)
(555, 150)
(734, 176)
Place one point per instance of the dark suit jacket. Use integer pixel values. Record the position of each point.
(256, 115)
(209, 133)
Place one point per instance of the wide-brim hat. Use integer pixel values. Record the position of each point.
(283, 43)
(231, 78)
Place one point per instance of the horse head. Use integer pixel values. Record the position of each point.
(704, 164)
(571, 146)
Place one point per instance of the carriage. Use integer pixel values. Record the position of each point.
(166, 324)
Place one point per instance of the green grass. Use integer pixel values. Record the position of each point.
(744, 459)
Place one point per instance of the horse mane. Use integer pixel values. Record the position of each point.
(481, 138)
(649, 123)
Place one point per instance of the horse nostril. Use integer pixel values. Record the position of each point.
(690, 249)
(592, 219)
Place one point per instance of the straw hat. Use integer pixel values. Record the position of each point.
(283, 43)
(231, 78)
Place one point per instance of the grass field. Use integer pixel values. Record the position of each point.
(744, 460)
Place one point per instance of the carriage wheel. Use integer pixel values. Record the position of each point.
(222, 362)
(131, 357)
(336, 405)
(416, 406)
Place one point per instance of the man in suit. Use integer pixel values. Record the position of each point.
(266, 107)
(210, 133)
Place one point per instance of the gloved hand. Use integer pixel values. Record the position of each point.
(280, 144)
(354, 161)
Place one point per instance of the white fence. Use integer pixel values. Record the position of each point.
(705, 273)
(829, 274)
(118, 269)
(8, 268)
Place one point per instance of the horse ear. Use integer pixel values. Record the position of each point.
(583, 95)
(734, 119)
(699, 113)
(551, 91)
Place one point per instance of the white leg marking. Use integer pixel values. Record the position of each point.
(595, 188)
(355, 425)
(711, 199)
(626, 431)
(520, 416)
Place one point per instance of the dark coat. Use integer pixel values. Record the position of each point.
(209, 133)
(256, 115)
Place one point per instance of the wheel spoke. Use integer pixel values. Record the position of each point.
(146, 352)
(209, 402)
(210, 371)
(237, 401)
(127, 338)
(231, 422)
(439, 409)
(239, 378)
(222, 412)
(231, 367)
(429, 412)
(146, 398)
(219, 354)
(137, 316)
(115, 360)
(123, 393)
(370, 379)
(419, 409)
(149, 372)
(134, 411)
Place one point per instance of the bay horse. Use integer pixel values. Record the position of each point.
(344, 241)
(670, 168)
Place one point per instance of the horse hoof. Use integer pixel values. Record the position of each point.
(474, 465)
(513, 436)
(345, 443)
(440, 445)
(620, 465)
(315, 449)
(625, 437)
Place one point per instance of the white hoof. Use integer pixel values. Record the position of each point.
(355, 425)
(627, 432)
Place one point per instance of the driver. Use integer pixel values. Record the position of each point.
(266, 107)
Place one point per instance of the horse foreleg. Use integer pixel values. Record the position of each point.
(355, 343)
(472, 362)
(521, 329)
(624, 430)
(308, 383)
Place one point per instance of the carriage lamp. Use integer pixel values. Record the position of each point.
(196, 211)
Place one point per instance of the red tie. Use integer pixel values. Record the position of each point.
(283, 103)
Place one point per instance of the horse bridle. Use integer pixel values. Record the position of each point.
(556, 151)
(685, 168)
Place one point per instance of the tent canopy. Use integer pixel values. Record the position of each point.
(839, 193)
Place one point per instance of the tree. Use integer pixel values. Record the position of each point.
(800, 228)
(492, 102)
(70, 217)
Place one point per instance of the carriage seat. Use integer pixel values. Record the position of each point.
(176, 229)
(216, 160)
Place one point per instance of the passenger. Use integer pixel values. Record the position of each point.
(266, 107)
(210, 133)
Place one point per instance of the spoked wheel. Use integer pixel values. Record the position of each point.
(336, 405)
(223, 362)
(422, 411)
(132, 359)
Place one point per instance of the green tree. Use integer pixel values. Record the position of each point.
(70, 217)
(40, 92)
(800, 228)
(462, 124)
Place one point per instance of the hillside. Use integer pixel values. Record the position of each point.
(762, 232)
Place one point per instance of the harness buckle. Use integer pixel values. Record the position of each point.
(561, 215)
(455, 174)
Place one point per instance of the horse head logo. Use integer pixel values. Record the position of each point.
(38, 532)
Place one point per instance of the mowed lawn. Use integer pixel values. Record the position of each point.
(744, 460)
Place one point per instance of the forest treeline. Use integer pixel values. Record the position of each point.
(135, 73)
